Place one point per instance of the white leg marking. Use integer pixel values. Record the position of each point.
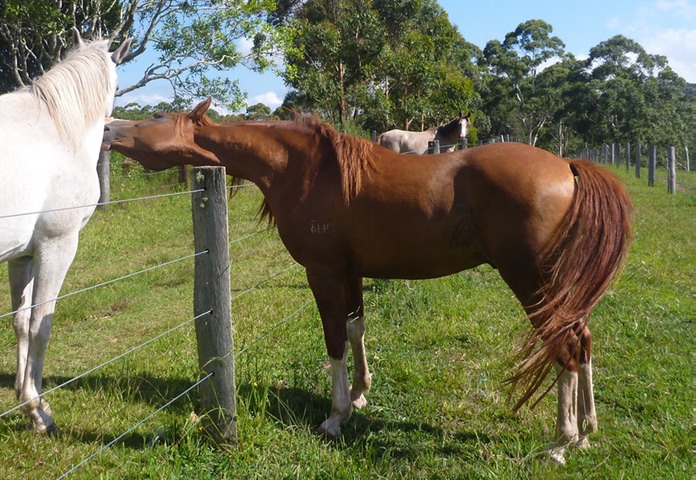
(341, 408)
(362, 380)
(566, 423)
(587, 417)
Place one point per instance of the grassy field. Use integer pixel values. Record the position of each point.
(438, 350)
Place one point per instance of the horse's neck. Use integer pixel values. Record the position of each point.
(255, 152)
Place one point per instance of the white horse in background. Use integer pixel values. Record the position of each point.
(403, 141)
(50, 137)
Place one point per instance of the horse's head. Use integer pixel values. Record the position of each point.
(162, 141)
(455, 129)
(463, 123)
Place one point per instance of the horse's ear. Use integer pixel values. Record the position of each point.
(199, 110)
(121, 52)
(77, 38)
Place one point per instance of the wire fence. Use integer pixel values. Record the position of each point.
(253, 342)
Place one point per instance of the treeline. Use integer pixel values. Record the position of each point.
(372, 65)
(401, 63)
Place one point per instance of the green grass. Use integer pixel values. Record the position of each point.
(438, 350)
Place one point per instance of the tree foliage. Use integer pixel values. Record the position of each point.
(371, 65)
(381, 63)
(195, 40)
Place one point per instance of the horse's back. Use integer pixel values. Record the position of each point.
(391, 140)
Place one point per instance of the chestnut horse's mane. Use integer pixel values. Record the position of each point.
(353, 155)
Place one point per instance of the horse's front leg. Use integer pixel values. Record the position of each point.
(329, 293)
(362, 380)
(51, 262)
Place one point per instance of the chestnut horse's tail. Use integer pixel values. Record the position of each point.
(579, 262)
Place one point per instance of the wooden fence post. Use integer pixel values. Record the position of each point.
(463, 143)
(433, 147)
(104, 172)
(628, 156)
(212, 293)
(652, 163)
(671, 170)
(637, 160)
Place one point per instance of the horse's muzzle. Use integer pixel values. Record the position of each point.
(106, 139)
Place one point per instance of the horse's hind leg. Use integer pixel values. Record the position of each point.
(566, 422)
(587, 417)
(362, 380)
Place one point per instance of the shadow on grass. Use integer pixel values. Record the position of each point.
(150, 390)
(366, 430)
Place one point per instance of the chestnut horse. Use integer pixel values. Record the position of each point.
(403, 141)
(346, 208)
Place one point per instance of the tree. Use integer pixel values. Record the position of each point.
(380, 63)
(193, 38)
(518, 60)
(330, 52)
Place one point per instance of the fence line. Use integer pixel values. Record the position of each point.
(165, 333)
(100, 204)
(101, 365)
(612, 154)
(268, 332)
(108, 282)
(112, 442)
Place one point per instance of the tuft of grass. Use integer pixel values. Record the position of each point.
(438, 350)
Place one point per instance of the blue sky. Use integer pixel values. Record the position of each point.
(666, 27)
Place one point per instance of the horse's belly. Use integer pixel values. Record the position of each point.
(15, 237)
(415, 258)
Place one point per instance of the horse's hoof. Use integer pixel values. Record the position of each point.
(41, 423)
(329, 431)
(556, 456)
(43, 429)
(583, 443)
(360, 402)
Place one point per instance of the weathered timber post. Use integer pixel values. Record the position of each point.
(463, 143)
(617, 155)
(637, 160)
(628, 156)
(373, 135)
(652, 162)
(212, 293)
(671, 170)
(433, 147)
(103, 172)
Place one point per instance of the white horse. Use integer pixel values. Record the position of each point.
(50, 137)
(403, 141)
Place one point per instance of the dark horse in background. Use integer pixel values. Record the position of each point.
(449, 134)
(346, 208)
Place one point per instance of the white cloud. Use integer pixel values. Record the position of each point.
(680, 8)
(270, 99)
(678, 45)
(245, 45)
(143, 98)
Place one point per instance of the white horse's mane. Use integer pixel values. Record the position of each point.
(75, 89)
